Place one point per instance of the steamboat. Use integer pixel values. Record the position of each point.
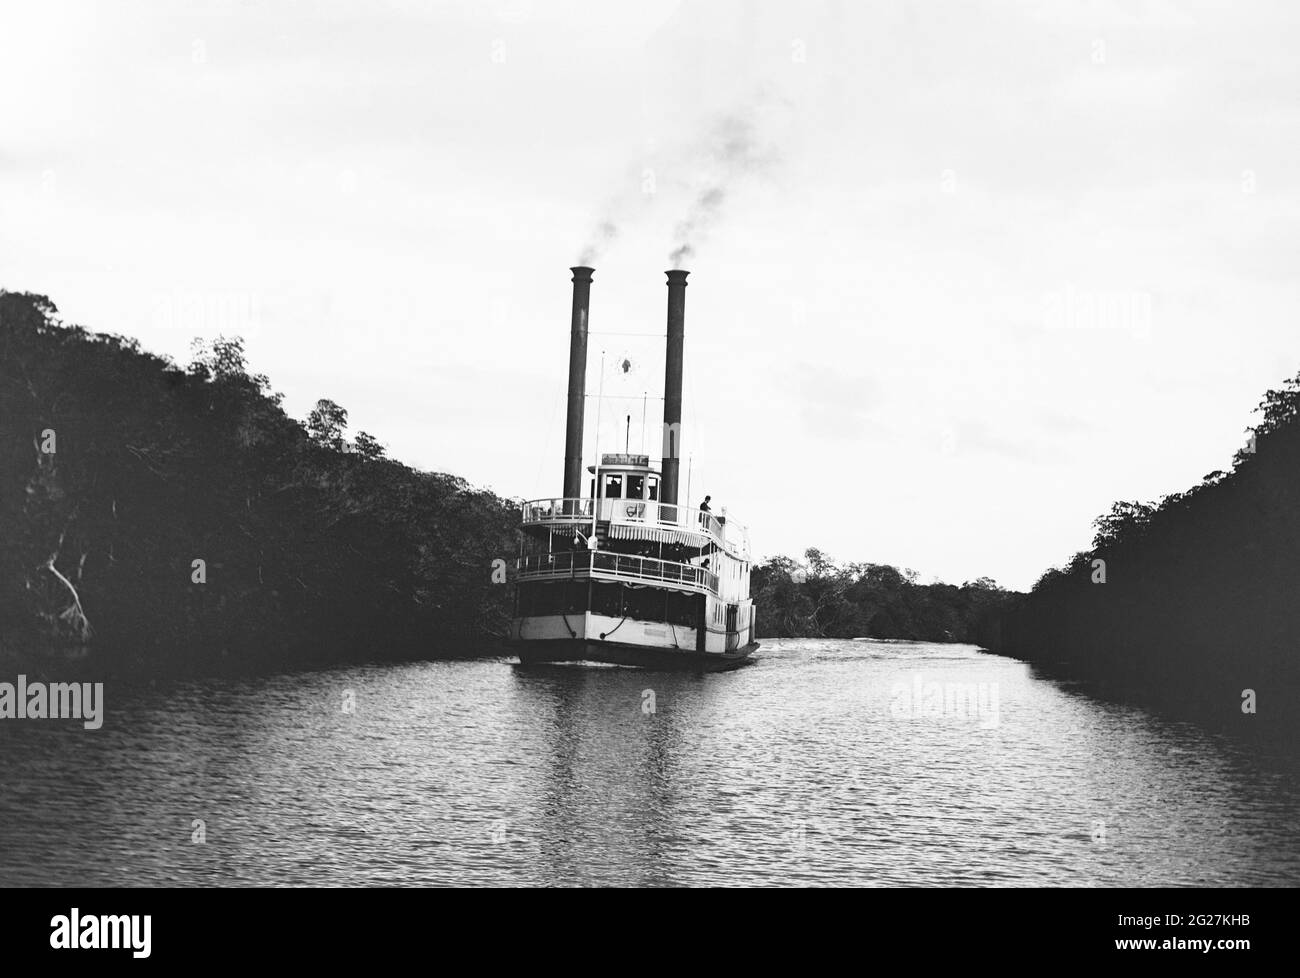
(627, 573)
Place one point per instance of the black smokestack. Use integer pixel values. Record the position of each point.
(672, 447)
(577, 381)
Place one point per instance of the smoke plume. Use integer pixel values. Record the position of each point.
(728, 151)
(605, 232)
(732, 152)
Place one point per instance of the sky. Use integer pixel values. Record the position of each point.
(962, 275)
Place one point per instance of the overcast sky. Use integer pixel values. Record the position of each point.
(970, 272)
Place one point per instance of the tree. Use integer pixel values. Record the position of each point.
(326, 424)
(1124, 522)
(367, 446)
(222, 360)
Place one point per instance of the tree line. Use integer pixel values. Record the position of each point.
(1194, 599)
(176, 517)
(821, 598)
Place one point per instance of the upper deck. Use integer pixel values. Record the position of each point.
(641, 519)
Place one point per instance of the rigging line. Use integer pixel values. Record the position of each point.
(601, 332)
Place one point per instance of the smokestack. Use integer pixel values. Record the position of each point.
(577, 381)
(672, 447)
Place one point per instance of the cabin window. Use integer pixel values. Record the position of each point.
(654, 488)
(635, 486)
(613, 487)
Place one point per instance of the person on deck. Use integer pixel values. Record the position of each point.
(704, 508)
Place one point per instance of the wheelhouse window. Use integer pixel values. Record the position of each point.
(653, 487)
(613, 487)
(635, 487)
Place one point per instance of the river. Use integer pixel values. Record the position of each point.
(824, 763)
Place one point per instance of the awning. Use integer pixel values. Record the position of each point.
(633, 531)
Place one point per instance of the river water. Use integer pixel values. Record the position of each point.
(824, 763)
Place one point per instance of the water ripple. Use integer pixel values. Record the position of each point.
(820, 765)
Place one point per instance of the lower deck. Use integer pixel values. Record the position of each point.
(636, 616)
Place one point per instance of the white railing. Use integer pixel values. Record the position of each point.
(557, 510)
(648, 512)
(611, 566)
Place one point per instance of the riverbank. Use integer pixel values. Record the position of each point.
(1190, 602)
(170, 519)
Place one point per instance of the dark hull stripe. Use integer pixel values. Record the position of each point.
(647, 657)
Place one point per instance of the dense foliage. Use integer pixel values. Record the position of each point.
(1197, 596)
(823, 599)
(119, 470)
